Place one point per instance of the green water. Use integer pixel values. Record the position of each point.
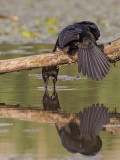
(27, 87)
(35, 141)
(27, 140)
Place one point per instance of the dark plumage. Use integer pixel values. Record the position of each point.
(82, 37)
(84, 138)
(48, 72)
(51, 103)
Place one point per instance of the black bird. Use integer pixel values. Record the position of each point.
(48, 72)
(84, 137)
(82, 37)
(51, 103)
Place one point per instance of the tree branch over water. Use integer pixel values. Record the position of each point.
(111, 49)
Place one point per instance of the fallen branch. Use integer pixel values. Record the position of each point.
(41, 116)
(111, 49)
(36, 115)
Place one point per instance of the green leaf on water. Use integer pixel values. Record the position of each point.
(52, 30)
(27, 34)
(51, 21)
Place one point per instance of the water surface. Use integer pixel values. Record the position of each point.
(31, 137)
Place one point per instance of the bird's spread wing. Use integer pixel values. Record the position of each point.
(69, 34)
(93, 62)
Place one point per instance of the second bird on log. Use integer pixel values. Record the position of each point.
(81, 37)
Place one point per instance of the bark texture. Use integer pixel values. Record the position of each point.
(60, 118)
(111, 49)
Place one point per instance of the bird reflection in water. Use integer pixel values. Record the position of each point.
(51, 103)
(84, 137)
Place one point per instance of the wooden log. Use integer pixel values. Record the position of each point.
(111, 49)
(35, 114)
(58, 117)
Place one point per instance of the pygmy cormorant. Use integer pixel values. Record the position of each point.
(81, 37)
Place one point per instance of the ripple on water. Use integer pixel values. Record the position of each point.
(59, 88)
(112, 125)
(6, 124)
(31, 130)
(4, 130)
(61, 77)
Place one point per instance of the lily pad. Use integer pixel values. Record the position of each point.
(27, 34)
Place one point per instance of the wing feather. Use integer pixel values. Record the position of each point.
(69, 34)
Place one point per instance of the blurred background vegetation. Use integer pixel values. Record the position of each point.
(39, 21)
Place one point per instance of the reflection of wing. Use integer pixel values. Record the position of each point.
(93, 118)
(69, 34)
